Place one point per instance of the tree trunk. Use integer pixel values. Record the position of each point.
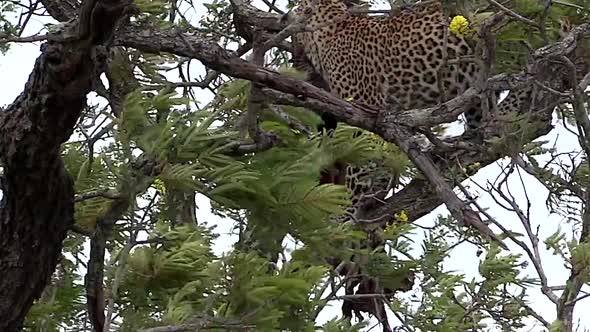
(38, 203)
(37, 207)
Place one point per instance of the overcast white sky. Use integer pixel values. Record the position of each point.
(15, 68)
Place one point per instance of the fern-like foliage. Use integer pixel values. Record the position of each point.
(163, 275)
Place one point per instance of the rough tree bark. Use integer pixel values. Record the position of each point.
(38, 203)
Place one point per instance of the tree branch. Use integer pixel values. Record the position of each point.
(296, 92)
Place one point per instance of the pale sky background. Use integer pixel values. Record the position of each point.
(17, 64)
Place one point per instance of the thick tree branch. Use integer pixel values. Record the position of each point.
(150, 39)
(94, 278)
(443, 189)
(245, 13)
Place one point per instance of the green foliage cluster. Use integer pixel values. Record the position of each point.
(62, 301)
(176, 276)
(171, 277)
(177, 279)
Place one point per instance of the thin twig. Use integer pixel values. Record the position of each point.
(513, 14)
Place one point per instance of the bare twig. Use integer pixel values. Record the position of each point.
(106, 193)
(122, 261)
(533, 255)
(513, 14)
(5, 38)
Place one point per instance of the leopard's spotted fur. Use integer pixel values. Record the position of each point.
(379, 61)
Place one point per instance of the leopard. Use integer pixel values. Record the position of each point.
(409, 60)
(405, 61)
(377, 61)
